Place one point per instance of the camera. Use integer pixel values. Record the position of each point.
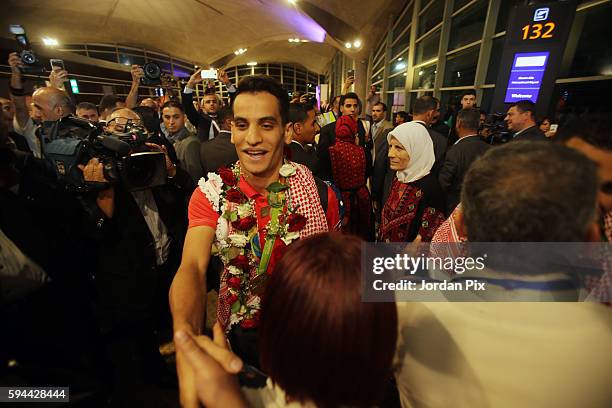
(152, 74)
(125, 157)
(30, 60)
(494, 130)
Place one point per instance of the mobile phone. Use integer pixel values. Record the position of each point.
(553, 127)
(350, 73)
(57, 63)
(209, 74)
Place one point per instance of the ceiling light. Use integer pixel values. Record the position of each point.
(292, 1)
(400, 58)
(240, 51)
(348, 45)
(400, 66)
(304, 41)
(292, 40)
(420, 73)
(357, 43)
(51, 42)
(251, 64)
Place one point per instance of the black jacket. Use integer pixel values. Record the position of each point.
(440, 146)
(306, 156)
(218, 152)
(458, 160)
(533, 134)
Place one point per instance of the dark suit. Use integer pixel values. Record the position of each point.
(440, 147)
(458, 160)
(305, 155)
(218, 152)
(533, 134)
(381, 168)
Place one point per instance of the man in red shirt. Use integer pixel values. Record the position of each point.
(261, 187)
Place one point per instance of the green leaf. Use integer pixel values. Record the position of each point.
(233, 216)
(277, 187)
(236, 307)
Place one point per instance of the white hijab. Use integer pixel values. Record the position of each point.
(417, 142)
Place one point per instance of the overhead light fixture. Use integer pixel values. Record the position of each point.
(251, 64)
(348, 45)
(240, 51)
(50, 42)
(357, 43)
(400, 66)
(292, 1)
(405, 74)
(420, 73)
(400, 58)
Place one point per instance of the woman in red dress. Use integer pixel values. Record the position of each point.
(414, 203)
(351, 165)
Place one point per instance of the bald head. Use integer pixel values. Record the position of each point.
(119, 118)
(52, 103)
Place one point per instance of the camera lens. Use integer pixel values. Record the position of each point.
(28, 57)
(152, 70)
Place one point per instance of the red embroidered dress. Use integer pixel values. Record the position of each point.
(349, 165)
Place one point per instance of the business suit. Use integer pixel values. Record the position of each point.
(458, 160)
(533, 134)
(305, 155)
(379, 136)
(218, 152)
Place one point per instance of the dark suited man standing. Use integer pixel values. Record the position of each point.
(304, 125)
(380, 127)
(461, 155)
(220, 151)
(521, 120)
(423, 112)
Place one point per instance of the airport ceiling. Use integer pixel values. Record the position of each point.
(209, 31)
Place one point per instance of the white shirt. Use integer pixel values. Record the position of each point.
(148, 208)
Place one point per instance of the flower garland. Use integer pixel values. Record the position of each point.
(237, 241)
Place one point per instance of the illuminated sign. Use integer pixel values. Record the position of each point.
(74, 85)
(541, 14)
(526, 76)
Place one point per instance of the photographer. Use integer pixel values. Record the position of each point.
(141, 237)
(27, 118)
(205, 121)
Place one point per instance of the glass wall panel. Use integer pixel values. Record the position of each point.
(424, 77)
(431, 17)
(461, 67)
(427, 48)
(468, 25)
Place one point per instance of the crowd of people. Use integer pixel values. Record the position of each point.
(254, 237)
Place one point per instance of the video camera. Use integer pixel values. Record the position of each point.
(495, 130)
(30, 61)
(125, 156)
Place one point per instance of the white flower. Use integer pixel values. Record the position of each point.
(287, 170)
(254, 303)
(244, 210)
(212, 189)
(290, 237)
(234, 270)
(234, 319)
(222, 230)
(238, 240)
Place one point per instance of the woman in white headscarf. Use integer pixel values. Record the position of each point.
(414, 203)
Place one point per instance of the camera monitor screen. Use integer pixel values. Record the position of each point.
(526, 76)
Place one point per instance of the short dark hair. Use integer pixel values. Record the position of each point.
(384, 106)
(224, 114)
(403, 115)
(262, 83)
(87, 106)
(424, 104)
(109, 102)
(468, 92)
(529, 192)
(349, 95)
(173, 103)
(300, 309)
(298, 112)
(525, 106)
(469, 118)
(598, 136)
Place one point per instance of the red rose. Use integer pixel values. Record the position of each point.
(227, 175)
(235, 196)
(296, 222)
(241, 261)
(232, 298)
(244, 224)
(248, 324)
(277, 253)
(234, 282)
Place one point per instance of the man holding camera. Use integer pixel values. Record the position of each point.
(140, 241)
(205, 121)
